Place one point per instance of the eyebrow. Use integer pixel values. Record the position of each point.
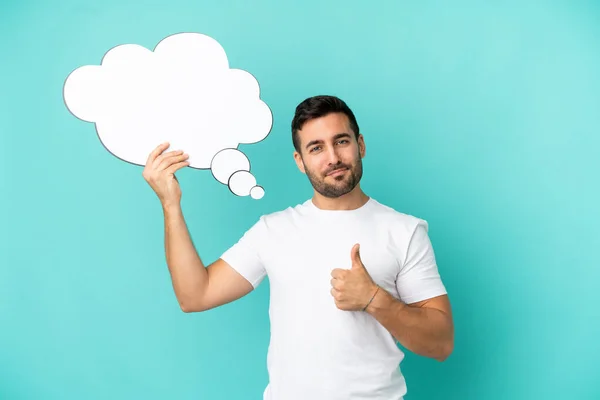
(336, 137)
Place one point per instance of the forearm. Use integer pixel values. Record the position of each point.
(424, 331)
(188, 273)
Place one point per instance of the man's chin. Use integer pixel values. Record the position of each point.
(339, 187)
(336, 178)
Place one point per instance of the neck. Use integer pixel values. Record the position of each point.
(350, 201)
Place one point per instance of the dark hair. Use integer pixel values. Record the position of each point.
(317, 107)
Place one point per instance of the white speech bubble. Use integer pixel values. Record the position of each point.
(257, 192)
(241, 183)
(183, 93)
(226, 162)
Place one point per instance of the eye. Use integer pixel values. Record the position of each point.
(343, 141)
(314, 148)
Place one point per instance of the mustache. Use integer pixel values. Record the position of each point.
(337, 166)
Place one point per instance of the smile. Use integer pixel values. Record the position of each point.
(337, 172)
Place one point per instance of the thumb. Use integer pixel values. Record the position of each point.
(355, 256)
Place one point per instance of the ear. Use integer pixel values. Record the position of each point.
(299, 163)
(362, 148)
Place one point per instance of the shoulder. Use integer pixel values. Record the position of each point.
(405, 231)
(398, 221)
(283, 217)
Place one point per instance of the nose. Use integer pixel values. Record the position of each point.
(332, 156)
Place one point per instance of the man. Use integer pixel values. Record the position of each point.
(349, 277)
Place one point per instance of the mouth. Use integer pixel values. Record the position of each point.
(337, 172)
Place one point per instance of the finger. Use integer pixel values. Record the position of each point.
(337, 284)
(334, 293)
(157, 150)
(158, 163)
(165, 160)
(175, 167)
(337, 273)
(168, 161)
(355, 253)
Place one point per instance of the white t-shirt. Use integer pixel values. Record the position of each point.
(317, 351)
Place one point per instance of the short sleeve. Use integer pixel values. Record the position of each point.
(419, 278)
(244, 256)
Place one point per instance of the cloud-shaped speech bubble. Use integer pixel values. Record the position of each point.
(183, 93)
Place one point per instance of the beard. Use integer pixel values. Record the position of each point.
(343, 183)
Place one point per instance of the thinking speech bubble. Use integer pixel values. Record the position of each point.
(183, 93)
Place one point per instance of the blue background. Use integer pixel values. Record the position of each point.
(481, 117)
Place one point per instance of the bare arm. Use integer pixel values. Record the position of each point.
(197, 288)
(425, 328)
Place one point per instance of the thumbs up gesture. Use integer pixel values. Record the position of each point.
(353, 288)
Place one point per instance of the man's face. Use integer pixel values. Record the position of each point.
(330, 155)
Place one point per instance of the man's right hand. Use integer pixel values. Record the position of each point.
(160, 170)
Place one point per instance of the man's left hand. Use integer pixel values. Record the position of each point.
(352, 288)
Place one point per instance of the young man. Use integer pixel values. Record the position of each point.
(349, 277)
